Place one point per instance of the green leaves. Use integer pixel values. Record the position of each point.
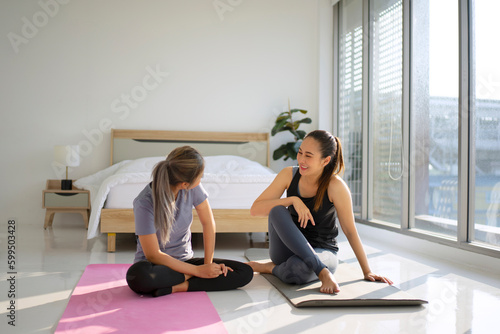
(285, 122)
(281, 125)
(288, 150)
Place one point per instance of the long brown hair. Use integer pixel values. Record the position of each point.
(183, 164)
(330, 146)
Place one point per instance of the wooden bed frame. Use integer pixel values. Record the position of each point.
(134, 144)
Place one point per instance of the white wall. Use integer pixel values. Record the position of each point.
(68, 68)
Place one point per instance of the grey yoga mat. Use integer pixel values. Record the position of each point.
(354, 290)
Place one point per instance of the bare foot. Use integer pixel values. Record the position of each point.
(183, 287)
(329, 284)
(263, 268)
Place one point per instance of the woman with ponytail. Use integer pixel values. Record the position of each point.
(164, 260)
(303, 226)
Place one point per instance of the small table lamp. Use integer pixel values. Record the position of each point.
(69, 156)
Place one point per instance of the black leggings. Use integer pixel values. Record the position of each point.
(297, 262)
(144, 277)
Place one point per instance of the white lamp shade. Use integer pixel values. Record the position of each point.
(67, 155)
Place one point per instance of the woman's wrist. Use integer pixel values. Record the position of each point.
(293, 200)
(366, 272)
(196, 271)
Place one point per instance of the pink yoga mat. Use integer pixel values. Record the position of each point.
(103, 303)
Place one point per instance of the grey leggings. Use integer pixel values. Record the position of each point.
(297, 262)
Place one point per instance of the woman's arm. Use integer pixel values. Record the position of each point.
(151, 248)
(340, 196)
(271, 197)
(206, 216)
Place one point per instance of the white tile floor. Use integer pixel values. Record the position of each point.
(461, 299)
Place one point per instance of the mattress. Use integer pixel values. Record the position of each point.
(220, 195)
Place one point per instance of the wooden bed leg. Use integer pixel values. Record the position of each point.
(111, 242)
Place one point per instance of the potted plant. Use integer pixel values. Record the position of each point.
(285, 122)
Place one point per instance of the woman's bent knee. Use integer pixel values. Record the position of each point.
(279, 215)
(241, 275)
(247, 274)
(277, 211)
(138, 276)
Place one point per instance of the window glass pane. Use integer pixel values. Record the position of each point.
(434, 115)
(385, 110)
(350, 89)
(486, 69)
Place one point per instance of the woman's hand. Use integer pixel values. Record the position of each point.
(212, 270)
(374, 277)
(303, 212)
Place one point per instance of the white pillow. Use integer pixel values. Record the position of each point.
(235, 165)
(142, 165)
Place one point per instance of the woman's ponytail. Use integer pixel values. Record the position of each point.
(330, 146)
(339, 166)
(183, 164)
(163, 201)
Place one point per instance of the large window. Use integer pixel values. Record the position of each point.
(418, 112)
(486, 78)
(350, 90)
(434, 115)
(385, 109)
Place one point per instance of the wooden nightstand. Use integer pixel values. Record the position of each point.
(56, 200)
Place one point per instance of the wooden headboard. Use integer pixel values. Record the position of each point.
(135, 144)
